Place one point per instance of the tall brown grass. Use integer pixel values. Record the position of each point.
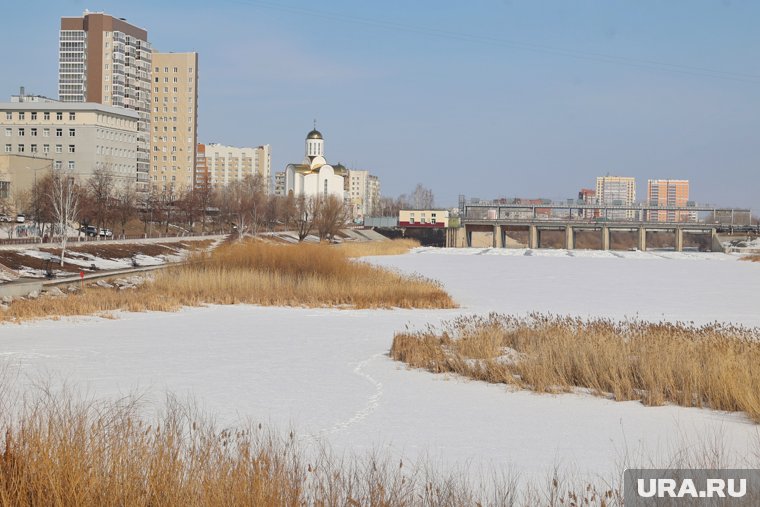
(61, 450)
(751, 258)
(255, 273)
(390, 247)
(714, 366)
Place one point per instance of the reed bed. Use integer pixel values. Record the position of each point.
(61, 450)
(255, 273)
(367, 248)
(713, 366)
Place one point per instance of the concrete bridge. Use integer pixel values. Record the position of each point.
(535, 229)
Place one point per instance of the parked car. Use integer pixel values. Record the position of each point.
(106, 233)
(89, 230)
(20, 219)
(5, 218)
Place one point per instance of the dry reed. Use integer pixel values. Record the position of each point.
(751, 258)
(60, 450)
(254, 273)
(713, 366)
(367, 248)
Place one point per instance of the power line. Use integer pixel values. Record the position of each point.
(523, 46)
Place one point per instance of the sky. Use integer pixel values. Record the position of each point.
(486, 98)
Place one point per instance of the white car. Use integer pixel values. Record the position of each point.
(20, 219)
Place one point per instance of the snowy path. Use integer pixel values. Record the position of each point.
(325, 372)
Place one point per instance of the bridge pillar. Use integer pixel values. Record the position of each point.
(605, 238)
(717, 246)
(467, 237)
(569, 237)
(498, 237)
(642, 243)
(533, 237)
(679, 239)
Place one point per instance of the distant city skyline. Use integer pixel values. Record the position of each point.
(487, 99)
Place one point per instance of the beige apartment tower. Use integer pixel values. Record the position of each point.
(106, 60)
(174, 122)
(226, 164)
(617, 191)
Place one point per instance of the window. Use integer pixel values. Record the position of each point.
(59, 116)
(166, 69)
(34, 115)
(21, 115)
(8, 132)
(72, 148)
(46, 115)
(21, 148)
(45, 148)
(58, 164)
(72, 116)
(58, 132)
(72, 132)
(8, 148)
(59, 148)
(33, 132)
(71, 165)
(33, 148)
(8, 115)
(45, 132)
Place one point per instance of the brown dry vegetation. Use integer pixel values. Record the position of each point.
(714, 366)
(255, 273)
(59, 450)
(751, 258)
(390, 247)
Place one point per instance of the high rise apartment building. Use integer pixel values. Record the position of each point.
(674, 193)
(617, 191)
(279, 183)
(363, 193)
(227, 164)
(107, 60)
(174, 122)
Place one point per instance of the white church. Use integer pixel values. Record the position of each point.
(314, 177)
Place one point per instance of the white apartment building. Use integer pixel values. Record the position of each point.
(363, 193)
(229, 163)
(79, 137)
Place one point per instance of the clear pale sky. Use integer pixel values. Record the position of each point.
(489, 98)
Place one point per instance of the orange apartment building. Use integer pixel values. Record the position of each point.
(669, 193)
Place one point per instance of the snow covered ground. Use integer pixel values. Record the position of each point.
(325, 372)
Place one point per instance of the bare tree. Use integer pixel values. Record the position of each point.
(101, 188)
(422, 198)
(64, 199)
(126, 205)
(302, 219)
(330, 216)
(244, 204)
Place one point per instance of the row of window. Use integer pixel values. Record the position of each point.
(165, 139)
(33, 132)
(21, 115)
(174, 110)
(33, 148)
(176, 69)
(176, 90)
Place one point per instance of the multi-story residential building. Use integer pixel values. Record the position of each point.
(279, 183)
(587, 196)
(202, 177)
(79, 137)
(174, 122)
(228, 163)
(363, 193)
(107, 60)
(617, 191)
(669, 193)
